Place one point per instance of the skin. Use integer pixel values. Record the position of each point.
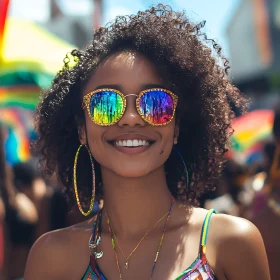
(136, 190)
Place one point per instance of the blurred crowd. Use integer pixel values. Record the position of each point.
(31, 204)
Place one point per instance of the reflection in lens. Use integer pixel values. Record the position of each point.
(106, 107)
(156, 106)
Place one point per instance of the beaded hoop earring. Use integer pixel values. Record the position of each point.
(75, 182)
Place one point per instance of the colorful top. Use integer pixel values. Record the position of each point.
(198, 270)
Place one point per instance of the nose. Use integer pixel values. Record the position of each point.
(131, 117)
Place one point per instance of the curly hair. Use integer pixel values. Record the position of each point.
(198, 74)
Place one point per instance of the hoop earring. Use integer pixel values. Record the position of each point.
(75, 182)
(186, 170)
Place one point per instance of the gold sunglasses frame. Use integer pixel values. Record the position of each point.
(87, 97)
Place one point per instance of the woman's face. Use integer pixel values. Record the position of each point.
(130, 73)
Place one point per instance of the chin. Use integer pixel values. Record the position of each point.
(130, 171)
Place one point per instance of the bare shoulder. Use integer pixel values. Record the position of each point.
(239, 247)
(232, 229)
(55, 254)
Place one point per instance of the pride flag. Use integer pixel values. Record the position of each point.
(29, 59)
(251, 128)
(31, 54)
(17, 144)
(19, 96)
(17, 105)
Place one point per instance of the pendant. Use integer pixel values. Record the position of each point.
(126, 265)
(98, 255)
(93, 248)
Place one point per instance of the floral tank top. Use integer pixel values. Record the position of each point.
(198, 270)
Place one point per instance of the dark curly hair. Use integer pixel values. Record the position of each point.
(197, 72)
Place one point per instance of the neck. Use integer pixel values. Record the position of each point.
(135, 204)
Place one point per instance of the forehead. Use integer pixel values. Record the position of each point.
(129, 70)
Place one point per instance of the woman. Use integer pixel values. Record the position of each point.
(145, 85)
(19, 223)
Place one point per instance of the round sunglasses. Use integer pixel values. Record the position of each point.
(106, 106)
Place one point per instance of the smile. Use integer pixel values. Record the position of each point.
(132, 143)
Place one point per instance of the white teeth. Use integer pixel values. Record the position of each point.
(135, 143)
(132, 143)
(145, 143)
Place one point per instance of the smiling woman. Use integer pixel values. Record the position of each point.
(142, 122)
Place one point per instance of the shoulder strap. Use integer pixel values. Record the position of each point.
(204, 231)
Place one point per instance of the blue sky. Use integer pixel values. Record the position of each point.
(217, 13)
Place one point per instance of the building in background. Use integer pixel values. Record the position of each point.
(75, 26)
(254, 44)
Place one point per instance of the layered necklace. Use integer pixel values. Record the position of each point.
(115, 240)
(95, 240)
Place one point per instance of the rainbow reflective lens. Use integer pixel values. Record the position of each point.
(155, 106)
(106, 107)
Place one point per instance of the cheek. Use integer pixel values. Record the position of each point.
(167, 134)
(94, 134)
(136, 166)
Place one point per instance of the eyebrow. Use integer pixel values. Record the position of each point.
(149, 86)
(112, 86)
(119, 87)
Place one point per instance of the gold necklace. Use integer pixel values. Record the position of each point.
(138, 244)
(159, 246)
(274, 205)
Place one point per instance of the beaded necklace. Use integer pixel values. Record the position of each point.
(158, 249)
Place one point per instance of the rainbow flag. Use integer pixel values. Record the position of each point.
(17, 144)
(34, 60)
(25, 67)
(251, 128)
(17, 105)
(19, 96)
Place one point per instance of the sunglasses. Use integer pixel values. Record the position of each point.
(107, 106)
